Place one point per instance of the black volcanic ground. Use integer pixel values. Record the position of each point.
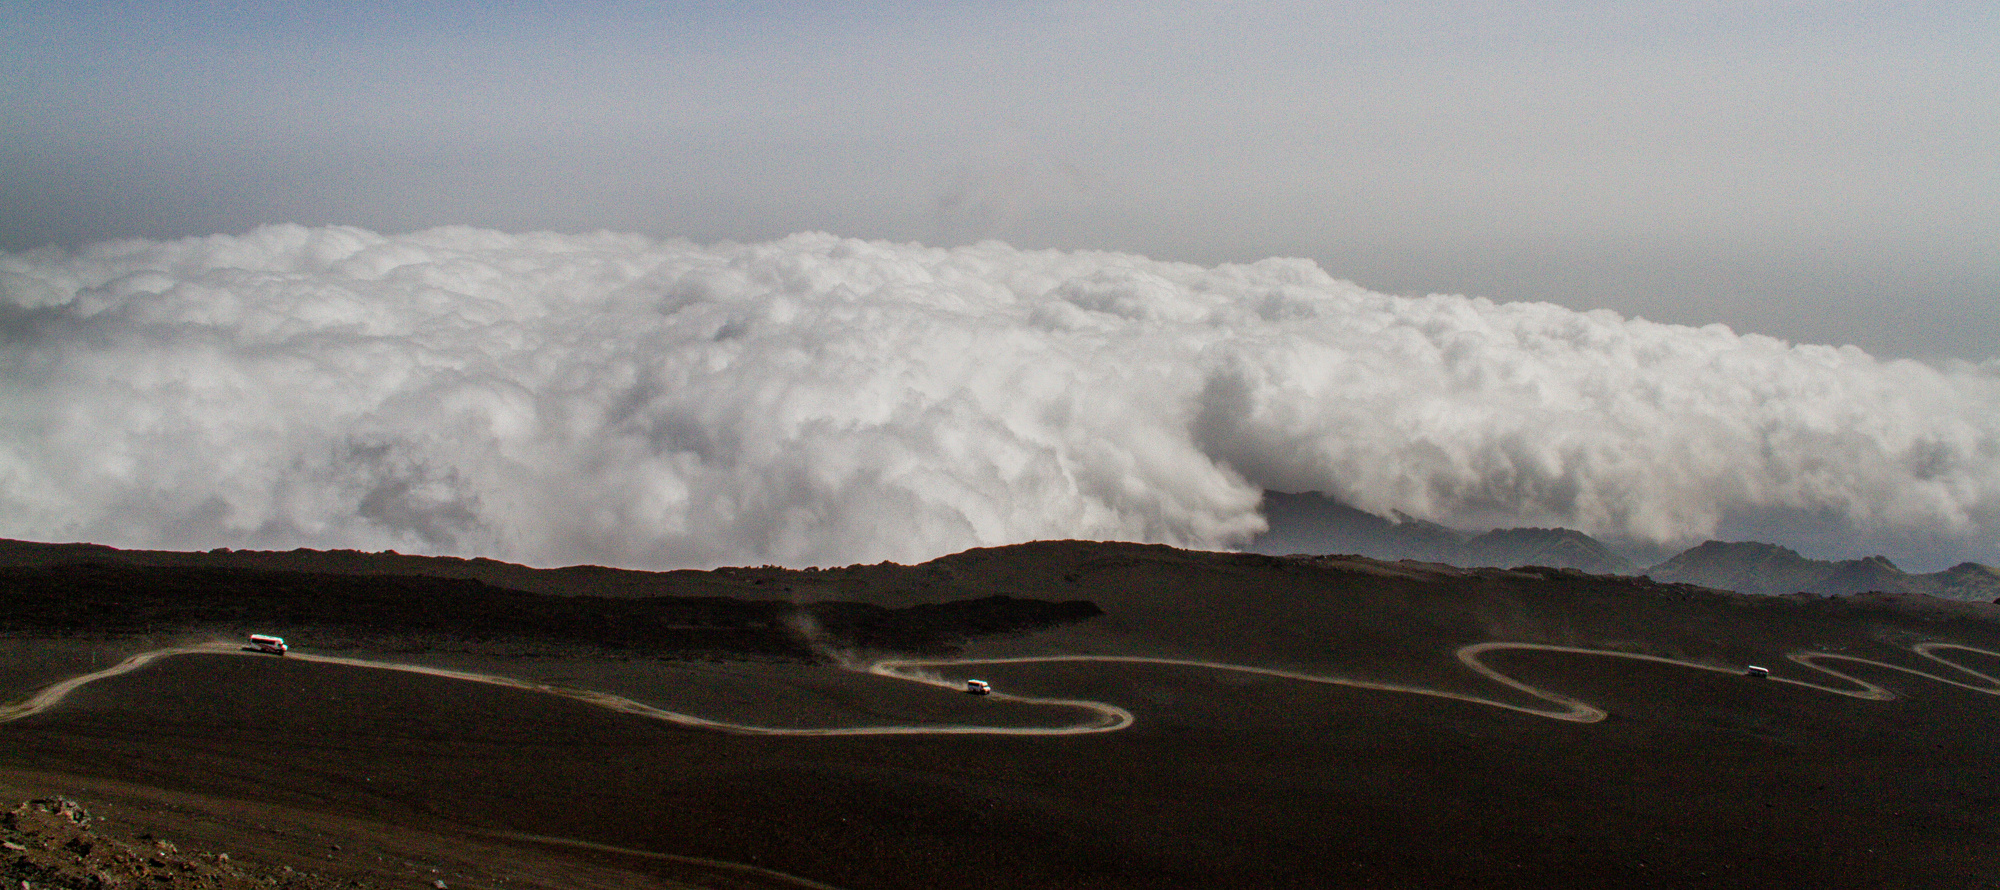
(1225, 780)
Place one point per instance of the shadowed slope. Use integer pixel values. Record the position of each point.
(1266, 747)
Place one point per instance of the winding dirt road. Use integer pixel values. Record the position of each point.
(1106, 717)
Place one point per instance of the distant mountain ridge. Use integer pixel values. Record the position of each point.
(1310, 522)
(1753, 567)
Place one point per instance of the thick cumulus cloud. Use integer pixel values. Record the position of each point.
(616, 399)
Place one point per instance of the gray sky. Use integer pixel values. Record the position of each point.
(1821, 172)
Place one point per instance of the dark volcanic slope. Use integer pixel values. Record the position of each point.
(105, 591)
(1697, 779)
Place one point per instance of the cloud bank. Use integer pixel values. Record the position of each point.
(616, 399)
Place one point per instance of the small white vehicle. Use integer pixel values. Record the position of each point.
(1755, 671)
(267, 643)
(978, 687)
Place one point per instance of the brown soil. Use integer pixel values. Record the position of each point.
(1697, 779)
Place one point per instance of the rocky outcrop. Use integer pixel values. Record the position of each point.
(54, 843)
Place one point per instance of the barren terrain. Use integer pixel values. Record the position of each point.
(1214, 720)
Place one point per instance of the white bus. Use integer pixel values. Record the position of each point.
(267, 643)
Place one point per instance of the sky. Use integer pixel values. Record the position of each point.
(668, 285)
(1817, 172)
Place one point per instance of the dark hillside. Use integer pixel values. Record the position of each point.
(1314, 725)
(393, 610)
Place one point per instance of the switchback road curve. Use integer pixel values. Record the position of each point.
(1106, 717)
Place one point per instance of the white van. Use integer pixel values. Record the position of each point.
(266, 643)
(978, 687)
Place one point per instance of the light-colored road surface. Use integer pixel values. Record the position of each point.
(1105, 717)
(1560, 707)
(50, 695)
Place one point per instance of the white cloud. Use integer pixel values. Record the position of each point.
(813, 400)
